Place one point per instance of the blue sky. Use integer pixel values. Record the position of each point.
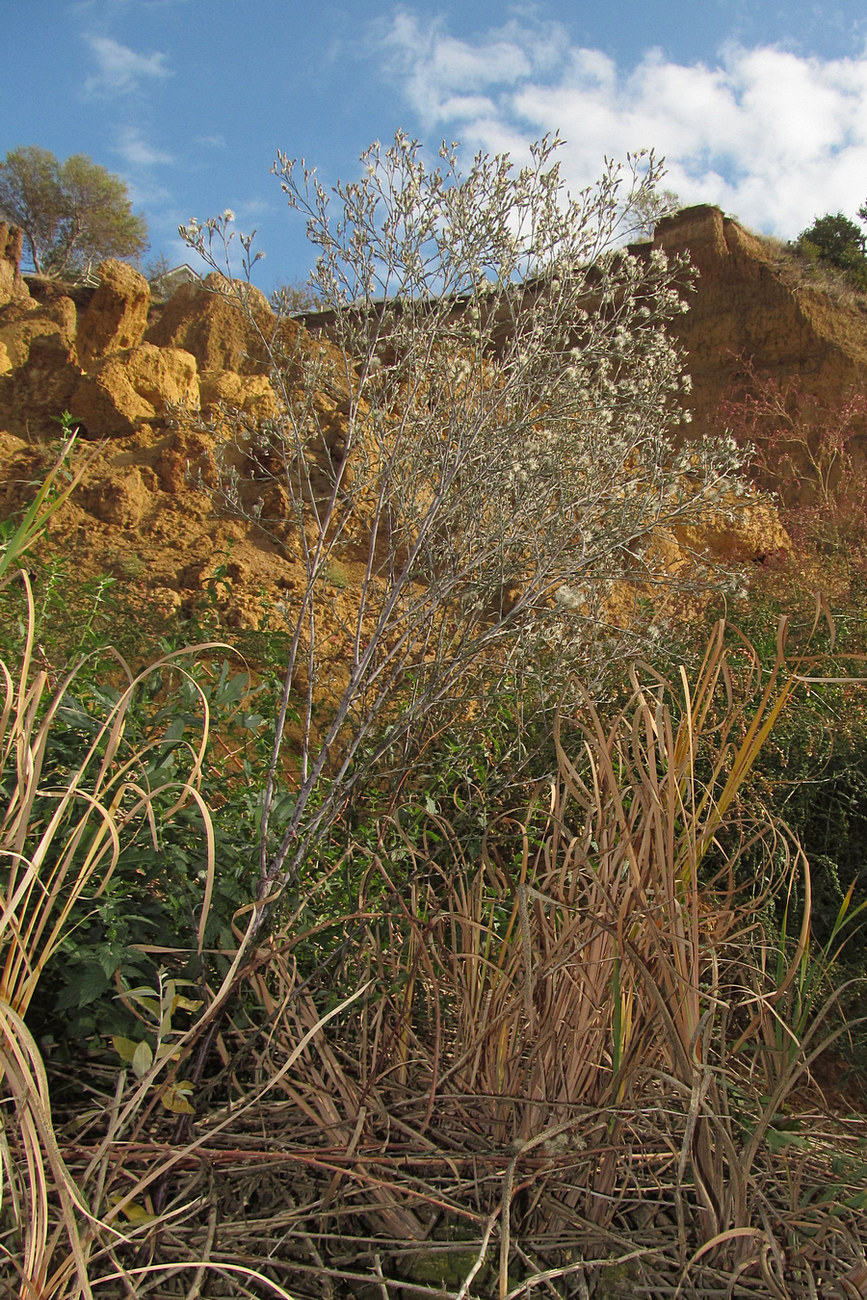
(759, 107)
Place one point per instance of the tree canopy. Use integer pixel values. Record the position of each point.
(837, 240)
(72, 213)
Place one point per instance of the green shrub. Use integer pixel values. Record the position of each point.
(836, 241)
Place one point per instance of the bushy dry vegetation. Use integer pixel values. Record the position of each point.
(573, 1050)
(417, 997)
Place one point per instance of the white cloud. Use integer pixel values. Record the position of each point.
(444, 76)
(136, 152)
(772, 137)
(120, 69)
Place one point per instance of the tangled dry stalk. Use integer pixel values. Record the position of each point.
(566, 1065)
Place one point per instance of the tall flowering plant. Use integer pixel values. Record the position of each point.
(485, 435)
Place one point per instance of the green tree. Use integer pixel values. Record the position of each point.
(649, 208)
(294, 298)
(838, 241)
(72, 213)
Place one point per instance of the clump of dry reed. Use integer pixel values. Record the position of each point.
(572, 1061)
(572, 1064)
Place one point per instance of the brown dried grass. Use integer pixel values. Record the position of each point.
(551, 1068)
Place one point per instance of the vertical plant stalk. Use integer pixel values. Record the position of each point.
(47, 502)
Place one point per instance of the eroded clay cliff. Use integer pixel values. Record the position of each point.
(746, 307)
(147, 376)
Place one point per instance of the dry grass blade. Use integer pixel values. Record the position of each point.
(24, 1077)
(149, 1271)
(45, 504)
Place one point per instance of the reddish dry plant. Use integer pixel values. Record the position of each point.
(810, 452)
